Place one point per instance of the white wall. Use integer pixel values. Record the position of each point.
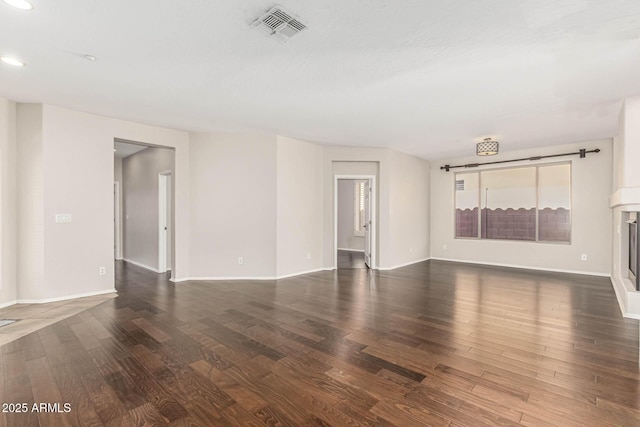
(8, 203)
(74, 172)
(630, 138)
(591, 218)
(402, 210)
(346, 216)
(233, 205)
(408, 210)
(299, 206)
(30, 179)
(625, 199)
(141, 197)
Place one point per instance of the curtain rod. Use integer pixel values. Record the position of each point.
(582, 153)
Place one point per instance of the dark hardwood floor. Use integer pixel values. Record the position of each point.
(351, 259)
(435, 343)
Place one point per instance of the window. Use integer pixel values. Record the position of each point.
(467, 202)
(554, 203)
(531, 203)
(508, 201)
(359, 201)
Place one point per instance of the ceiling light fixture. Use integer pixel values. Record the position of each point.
(90, 58)
(12, 61)
(19, 4)
(488, 147)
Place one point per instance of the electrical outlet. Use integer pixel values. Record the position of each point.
(308, 255)
(410, 250)
(102, 271)
(583, 257)
(444, 247)
(240, 260)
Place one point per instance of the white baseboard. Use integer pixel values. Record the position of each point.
(351, 250)
(402, 265)
(526, 267)
(284, 276)
(223, 278)
(139, 264)
(233, 278)
(7, 304)
(64, 298)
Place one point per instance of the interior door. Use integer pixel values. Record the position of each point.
(168, 221)
(367, 223)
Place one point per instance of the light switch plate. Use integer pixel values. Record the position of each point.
(62, 218)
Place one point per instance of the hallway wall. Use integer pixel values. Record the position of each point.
(140, 204)
(8, 203)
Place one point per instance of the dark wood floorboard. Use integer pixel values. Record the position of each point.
(435, 343)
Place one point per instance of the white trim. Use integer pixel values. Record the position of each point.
(623, 294)
(232, 278)
(526, 267)
(374, 207)
(284, 276)
(64, 298)
(162, 220)
(117, 213)
(403, 265)
(351, 250)
(139, 264)
(7, 304)
(225, 278)
(626, 197)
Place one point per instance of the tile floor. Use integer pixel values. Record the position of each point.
(33, 317)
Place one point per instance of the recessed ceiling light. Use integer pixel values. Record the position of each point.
(19, 4)
(90, 58)
(12, 61)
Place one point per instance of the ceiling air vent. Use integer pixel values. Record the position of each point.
(280, 24)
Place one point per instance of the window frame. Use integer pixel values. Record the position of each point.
(537, 206)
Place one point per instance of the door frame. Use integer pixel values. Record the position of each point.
(372, 209)
(117, 213)
(162, 219)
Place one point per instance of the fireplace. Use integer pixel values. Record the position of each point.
(634, 254)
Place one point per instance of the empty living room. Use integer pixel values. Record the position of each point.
(382, 213)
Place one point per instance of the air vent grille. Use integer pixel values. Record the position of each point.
(279, 24)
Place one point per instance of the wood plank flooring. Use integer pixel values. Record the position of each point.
(435, 343)
(351, 259)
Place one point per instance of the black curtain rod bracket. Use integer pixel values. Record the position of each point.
(582, 153)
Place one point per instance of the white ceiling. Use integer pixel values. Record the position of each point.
(426, 77)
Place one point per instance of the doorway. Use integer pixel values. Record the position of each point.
(354, 221)
(145, 179)
(164, 221)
